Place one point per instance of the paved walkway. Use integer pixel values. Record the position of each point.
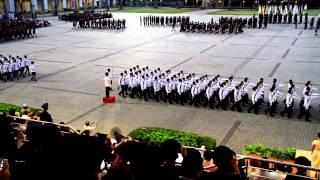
(72, 63)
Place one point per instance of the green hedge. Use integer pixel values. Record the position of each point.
(5, 107)
(158, 135)
(268, 151)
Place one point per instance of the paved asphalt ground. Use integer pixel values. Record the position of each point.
(72, 63)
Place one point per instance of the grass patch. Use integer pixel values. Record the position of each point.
(158, 135)
(311, 12)
(236, 12)
(160, 10)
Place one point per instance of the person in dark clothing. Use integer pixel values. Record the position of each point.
(169, 150)
(45, 116)
(301, 172)
(226, 161)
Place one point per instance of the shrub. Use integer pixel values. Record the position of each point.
(268, 151)
(5, 107)
(158, 135)
(208, 142)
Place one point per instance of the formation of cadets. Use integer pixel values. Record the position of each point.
(86, 16)
(12, 68)
(286, 13)
(216, 92)
(152, 20)
(16, 29)
(100, 23)
(225, 24)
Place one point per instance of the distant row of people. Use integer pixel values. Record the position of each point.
(17, 29)
(225, 24)
(86, 16)
(152, 20)
(100, 23)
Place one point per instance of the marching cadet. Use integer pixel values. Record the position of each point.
(237, 99)
(5, 70)
(285, 17)
(122, 84)
(10, 70)
(126, 81)
(280, 14)
(311, 23)
(33, 70)
(305, 110)
(290, 14)
(275, 14)
(16, 68)
(27, 63)
(22, 67)
(194, 94)
(306, 20)
(295, 18)
(270, 13)
(180, 90)
(149, 81)
(133, 85)
(168, 91)
(144, 87)
(271, 104)
(317, 26)
(255, 100)
(254, 21)
(208, 94)
(156, 88)
(289, 102)
(222, 100)
(260, 20)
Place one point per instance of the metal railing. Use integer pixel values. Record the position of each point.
(247, 166)
(71, 129)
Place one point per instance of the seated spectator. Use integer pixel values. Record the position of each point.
(25, 115)
(259, 171)
(63, 128)
(25, 109)
(91, 127)
(207, 163)
(279, 174)
(114, 132)
(45, 116)
(192, 166)
(300, 171)
(169, 153)
(4, 170)
(226, 161)
(20, 139)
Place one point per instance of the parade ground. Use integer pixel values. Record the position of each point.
(72, 62)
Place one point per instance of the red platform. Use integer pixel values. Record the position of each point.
(110, 99)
